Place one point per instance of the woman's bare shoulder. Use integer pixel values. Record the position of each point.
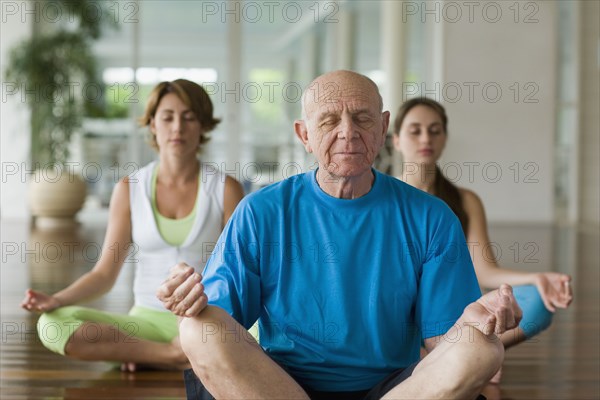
(471, 201)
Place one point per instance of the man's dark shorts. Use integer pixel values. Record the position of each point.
(196, 391)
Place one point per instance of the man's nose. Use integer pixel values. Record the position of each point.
(347, 129)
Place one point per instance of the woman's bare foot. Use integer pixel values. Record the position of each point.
(179, 361)
(128, 367)
(492, 392)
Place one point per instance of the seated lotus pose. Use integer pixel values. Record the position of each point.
(347, 270)
(173, 210)
(420, 134)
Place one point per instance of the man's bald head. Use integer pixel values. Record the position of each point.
(343, 123)
(336, 85)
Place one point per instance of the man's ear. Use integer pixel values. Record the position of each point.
(386, 122)
(302, 133)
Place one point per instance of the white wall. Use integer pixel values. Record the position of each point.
(504, 134)
(589, 114)
(14, 122)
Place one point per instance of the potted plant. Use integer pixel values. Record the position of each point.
(55, 66)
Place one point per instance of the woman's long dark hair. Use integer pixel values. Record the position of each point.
(442, 188)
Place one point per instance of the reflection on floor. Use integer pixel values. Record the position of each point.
(561, 363)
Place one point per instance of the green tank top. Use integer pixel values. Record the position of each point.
(173, 231)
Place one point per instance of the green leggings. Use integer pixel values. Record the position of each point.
(56, 327)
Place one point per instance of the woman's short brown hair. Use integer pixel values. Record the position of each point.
(193, 95)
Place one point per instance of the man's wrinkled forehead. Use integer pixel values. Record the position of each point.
(332, 93)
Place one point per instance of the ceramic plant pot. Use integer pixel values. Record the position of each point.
(55, 196)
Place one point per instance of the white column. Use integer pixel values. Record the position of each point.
(308, 63)
(15, 123)
(308, 68)
(327, 48)
(287, 139)
(135, 141)
(344, 39)
(392, 61)
(572, 73)
(233, 82)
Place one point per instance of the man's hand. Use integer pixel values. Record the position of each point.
(494, 312)
(182, 293)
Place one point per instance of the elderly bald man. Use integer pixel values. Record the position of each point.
(346, 270)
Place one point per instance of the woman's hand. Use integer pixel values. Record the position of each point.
(39, 301)
(555, 289)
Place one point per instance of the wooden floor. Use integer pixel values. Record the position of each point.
(561, 363)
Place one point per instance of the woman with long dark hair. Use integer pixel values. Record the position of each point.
(420, 134)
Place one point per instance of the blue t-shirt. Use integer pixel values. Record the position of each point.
(344, 289)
